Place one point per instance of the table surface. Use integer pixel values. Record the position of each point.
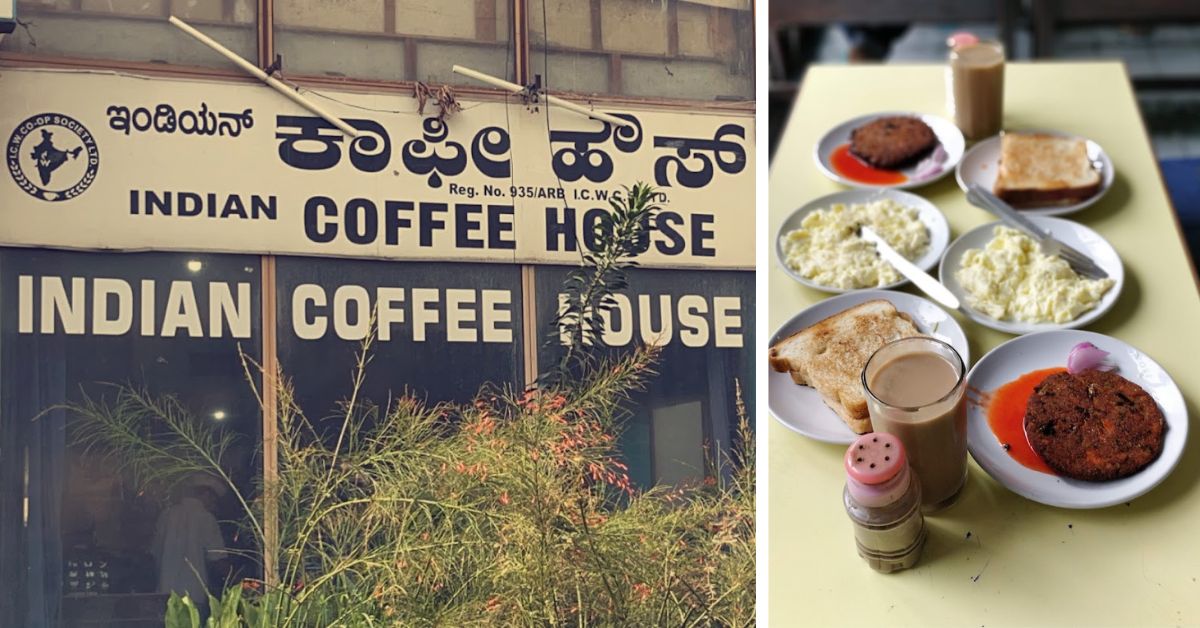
(995, 558)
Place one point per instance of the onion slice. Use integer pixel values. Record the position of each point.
(1086, 356)
(931, 166)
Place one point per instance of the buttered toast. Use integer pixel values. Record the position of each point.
(1040, 169)
(830, 355)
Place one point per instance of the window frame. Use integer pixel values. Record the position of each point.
(525, 64)
(525, 69)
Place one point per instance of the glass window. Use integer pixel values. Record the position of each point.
(677, 49)
(78, 539)
(444, 329)
(134, 30)
(704, 321)
(395, 40)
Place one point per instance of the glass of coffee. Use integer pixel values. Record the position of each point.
(915, 389)
(977, 87)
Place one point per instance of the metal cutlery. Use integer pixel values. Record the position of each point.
(1078, 261)
(920, 278)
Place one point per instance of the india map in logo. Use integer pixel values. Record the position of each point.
(52, 157)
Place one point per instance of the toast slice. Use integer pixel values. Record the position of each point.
(830, 355)
(1039, 169)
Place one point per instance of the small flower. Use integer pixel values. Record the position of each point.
(504, 498)
(642, 591)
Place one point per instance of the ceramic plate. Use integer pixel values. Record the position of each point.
(1070, 233)
(1049, 349)
(800, 408)
(948, 135)
(929, 214)
(982, 162)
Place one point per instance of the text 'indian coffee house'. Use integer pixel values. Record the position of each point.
(154, 228)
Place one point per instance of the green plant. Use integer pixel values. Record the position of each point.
(589, 289)
(514, 509)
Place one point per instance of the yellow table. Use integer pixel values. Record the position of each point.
(1022, 563)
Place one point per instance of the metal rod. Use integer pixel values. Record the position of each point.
(254, 70)
(554, 100)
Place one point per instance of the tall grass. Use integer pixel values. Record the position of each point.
(515, 509)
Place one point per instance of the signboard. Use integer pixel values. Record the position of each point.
(442, 330)
(104, 161)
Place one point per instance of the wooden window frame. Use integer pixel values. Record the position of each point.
(525, 67)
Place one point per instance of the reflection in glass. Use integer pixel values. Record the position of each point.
(686, 418)
(133, 30)
(77, 536)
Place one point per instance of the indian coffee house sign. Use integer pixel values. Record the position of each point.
(105, 161)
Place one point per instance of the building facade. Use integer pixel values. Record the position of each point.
(164, 214)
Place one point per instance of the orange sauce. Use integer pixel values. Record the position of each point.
(1006, 417)
(852, 167)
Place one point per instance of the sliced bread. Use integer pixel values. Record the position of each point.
(830, 355)
(1038, 169)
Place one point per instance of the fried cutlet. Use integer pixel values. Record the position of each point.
(1094, 425)
(892, 142)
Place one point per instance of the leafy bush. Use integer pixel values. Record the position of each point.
(515, 509)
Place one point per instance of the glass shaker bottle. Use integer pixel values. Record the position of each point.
(883, 499)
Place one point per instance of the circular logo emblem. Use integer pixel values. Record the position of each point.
(52, 157)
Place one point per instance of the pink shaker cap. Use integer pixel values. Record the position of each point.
(875, 458)
(961, 38)
(877, 470)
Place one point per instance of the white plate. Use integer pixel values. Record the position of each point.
(1045, 350)
(981, 164)
(1071, 233)
(800, 408)
(947, 134)
(928, 213)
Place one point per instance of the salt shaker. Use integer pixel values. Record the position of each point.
(883, 499)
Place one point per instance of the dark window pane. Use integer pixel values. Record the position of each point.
(705, 322)
(677, 49)
(444, 329)
(396, 40)
(134, 30)
(76, 534)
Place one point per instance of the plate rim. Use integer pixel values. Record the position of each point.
(866, 295)
(1107, 179)
(817, 203)
(951, 165)
(984, 462)
(1019, 329)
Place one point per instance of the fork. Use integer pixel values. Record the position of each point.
(1078, 261)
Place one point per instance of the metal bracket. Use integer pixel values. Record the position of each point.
(276, 65)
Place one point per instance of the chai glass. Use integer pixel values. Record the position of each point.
(916, 390)
(976, 88)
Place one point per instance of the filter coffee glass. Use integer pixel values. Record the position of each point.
(916, 390)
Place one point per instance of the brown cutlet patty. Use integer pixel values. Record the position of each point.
(1094, 425)
(892, 142)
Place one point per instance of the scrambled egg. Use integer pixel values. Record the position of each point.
(827, 249)
(1011, 278)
